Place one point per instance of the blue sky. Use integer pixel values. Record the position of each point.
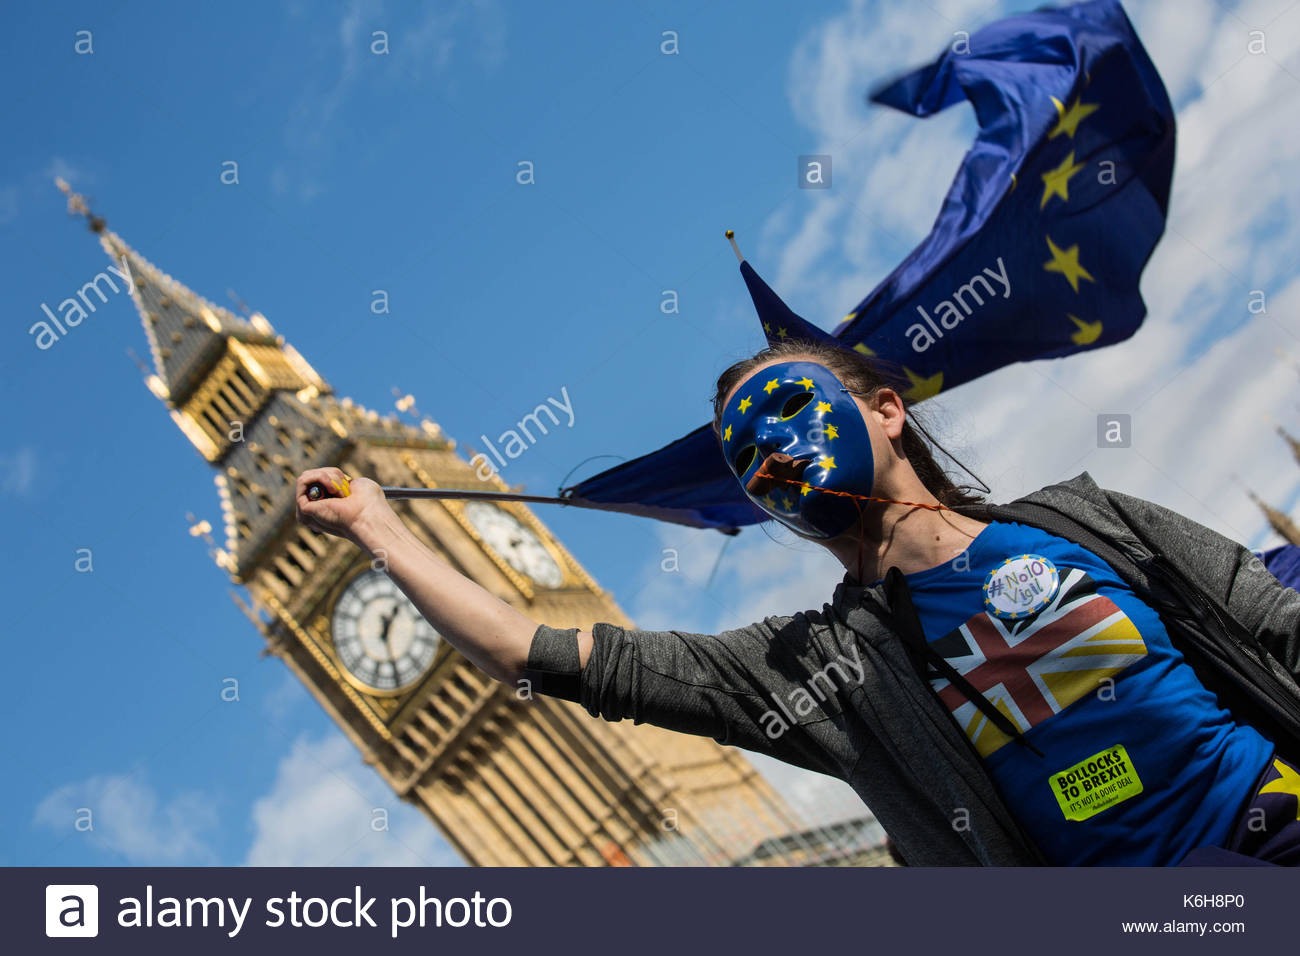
(360, 172)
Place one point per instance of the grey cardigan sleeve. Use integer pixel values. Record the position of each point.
(723, 686)
(1228, 571)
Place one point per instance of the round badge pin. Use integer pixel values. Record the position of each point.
(1021, 585)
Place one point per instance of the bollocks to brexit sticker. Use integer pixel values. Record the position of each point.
(1020, 586)
(1092, 785)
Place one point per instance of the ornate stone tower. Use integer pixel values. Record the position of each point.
(507, 781)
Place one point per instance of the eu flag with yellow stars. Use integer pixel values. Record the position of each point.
(1037, 251)
(1043, 236)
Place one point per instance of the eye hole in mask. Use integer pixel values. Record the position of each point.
(795, 404)
(745, 459)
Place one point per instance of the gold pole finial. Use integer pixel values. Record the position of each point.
(405, 403)
(77, 205)
(731, 238)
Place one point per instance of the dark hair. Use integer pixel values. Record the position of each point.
(865, 376)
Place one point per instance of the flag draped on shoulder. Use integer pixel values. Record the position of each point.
(1037, 250)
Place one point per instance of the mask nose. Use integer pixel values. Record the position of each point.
(777, 444)
(776, 471)
(774, 436)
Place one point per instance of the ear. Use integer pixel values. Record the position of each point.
(887, 406)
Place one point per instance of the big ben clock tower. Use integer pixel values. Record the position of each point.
(508, 781)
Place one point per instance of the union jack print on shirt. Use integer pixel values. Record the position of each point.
(1034, 668)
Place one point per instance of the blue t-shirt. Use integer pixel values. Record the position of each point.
(1140, 764)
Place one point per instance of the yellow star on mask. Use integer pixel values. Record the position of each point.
(827, 462)
(1068, 121)
(1067, 264)
(726, 436)
(823, 406)
(1057, 181)
(767, 501)
(805, 489)
(771, 385)
(1289, 782)
(767, 328)
(805, 382)
(831, 432)
(744, 404)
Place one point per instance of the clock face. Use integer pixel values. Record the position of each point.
(382, 641)
(517, 544)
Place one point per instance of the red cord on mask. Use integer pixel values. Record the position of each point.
(858, 500)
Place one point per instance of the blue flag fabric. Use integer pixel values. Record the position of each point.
(1037, 251)
(1284, 562)
(779, 321)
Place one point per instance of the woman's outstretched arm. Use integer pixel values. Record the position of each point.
(725, 686)
(494, 636)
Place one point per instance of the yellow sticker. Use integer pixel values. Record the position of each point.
(1092, 785)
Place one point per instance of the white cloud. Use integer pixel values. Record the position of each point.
(432, 42)
(122, 814)
(36, 185)
(281, 700)
(815, 797)
(345, 58)
(327, 808)
(60, 167)
(18, 472)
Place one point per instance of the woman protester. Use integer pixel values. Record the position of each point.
(1077, 677)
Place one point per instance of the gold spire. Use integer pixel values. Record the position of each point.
(77, 204)
(1293, 442)
(245, 398)
(1278, 521)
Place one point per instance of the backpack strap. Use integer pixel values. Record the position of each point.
(908, 624)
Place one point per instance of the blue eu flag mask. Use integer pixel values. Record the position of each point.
(797, 442)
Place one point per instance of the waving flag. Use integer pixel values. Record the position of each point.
(1036, 252)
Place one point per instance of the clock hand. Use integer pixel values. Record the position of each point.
(383, 634)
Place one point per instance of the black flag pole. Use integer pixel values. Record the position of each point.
(316, 491)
